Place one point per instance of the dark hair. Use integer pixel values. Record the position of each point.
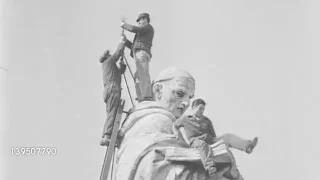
(197, 102)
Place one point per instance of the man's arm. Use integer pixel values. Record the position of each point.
(137, 29)
(128, 44)
(122, 67)
(119, 52)
(212, 131)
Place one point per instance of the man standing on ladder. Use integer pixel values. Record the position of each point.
(141, 52)
(112, 87)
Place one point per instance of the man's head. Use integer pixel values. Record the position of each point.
(198, 107)
(143, 19)
(173, 88)
(105, 56)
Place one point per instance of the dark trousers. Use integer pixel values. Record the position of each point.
(111, 96)
(206, 153)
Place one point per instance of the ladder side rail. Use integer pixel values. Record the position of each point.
(111, 147)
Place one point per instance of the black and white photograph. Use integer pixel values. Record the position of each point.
(159, 90)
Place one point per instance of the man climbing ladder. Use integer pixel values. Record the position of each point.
(112, 87)
(109, 157)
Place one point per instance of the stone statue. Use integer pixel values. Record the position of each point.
(148, 134)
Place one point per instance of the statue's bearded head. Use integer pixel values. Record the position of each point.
(173, 88)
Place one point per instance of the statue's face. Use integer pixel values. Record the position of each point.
(176, 95)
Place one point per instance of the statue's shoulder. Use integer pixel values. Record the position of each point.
(150, 109)
(148, 113)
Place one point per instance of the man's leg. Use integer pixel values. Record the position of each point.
(206, 156)
(142, 59)
(238, 143)
(112, 102)
(137, 86)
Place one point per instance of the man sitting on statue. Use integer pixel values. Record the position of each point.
(112, 72)
(197, 130)
(148, 130)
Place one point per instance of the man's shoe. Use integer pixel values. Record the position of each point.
(105, 141)
(252, 145)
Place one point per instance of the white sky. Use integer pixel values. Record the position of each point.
(256, 63)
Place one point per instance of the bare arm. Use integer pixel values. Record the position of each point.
(119, 52)
(211, 129)
(213, 133)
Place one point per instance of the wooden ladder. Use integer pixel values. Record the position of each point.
(109, 156)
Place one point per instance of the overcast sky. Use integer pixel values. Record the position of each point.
(256, 63)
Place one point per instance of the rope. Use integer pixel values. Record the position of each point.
(125, 59)
(128, 89)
